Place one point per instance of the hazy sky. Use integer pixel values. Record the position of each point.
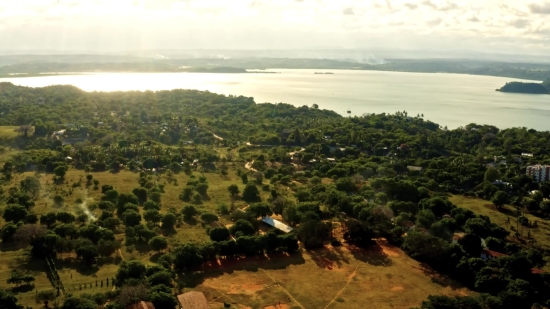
(108, 25)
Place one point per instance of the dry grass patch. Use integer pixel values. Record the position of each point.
(334, 277)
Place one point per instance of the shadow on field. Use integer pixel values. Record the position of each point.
(327, 257)
(373, 255)
(76, 265)
(8, 247)
(220, 267)
(440, 279)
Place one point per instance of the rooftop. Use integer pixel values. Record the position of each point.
(277, 224)
(193, 300)
(141, 305)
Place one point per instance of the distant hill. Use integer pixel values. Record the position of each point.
(519, 87)
(218, 70)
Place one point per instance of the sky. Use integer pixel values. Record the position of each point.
(521, 26)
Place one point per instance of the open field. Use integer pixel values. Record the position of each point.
(541, 236)
(9, 132)
(71, 271)
(342, 277)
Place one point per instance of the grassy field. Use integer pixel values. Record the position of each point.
(70, 270)
(383, 277)
(9, 132)
(540, 236)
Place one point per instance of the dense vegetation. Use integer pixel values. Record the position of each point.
(379, 175)
(87, 63)
(520, 87)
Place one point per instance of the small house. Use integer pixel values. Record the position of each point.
(193, 300)
(141, 305)
(277, 224)
(489, 255)
(414, 168)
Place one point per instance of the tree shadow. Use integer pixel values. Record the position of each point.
(22, 288)
(76, 265)
(8, 247)
(217, 268)
(373, 255)
(327, 258)
(439, 278)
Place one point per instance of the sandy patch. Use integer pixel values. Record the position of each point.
(281, 306)
(397, 288)
(245, 289)
(389, 251)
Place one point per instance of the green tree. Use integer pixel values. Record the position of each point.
(492, 174)
(131, 218)
(233, 190)
(158, 243)
(219, 234)
(152, 215)
(8, 300)
(189, 211)
(60, 171)
(500, 198)
(242, 226)
(87, 253)
(31, 185)
(208, 218)
(251, 194)
(15, 213)
(261, 209)
(168, 221)
(425, 218)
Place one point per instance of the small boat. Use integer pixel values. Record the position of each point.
(349, 112)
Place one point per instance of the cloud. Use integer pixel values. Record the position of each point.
(447, 6)
(411, 6)
(348, 11)
(520, 23)
(539, 8)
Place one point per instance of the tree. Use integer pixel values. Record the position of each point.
(168, 221)
(141, 194)
(8, 300)
(187, 257)
(88, 253)
(251, 193)
(358, 233)
(202, 189)
(189, 211)
(31, 185)
(162, 299)
(259, 210)
(152, 215)
(107, 247)
(65, 217)
(131, 218)
(424, 247)
(158, 243)
(244, 178)
(492, 174)
(127, 270)
(208, 218)
(219, 234)
(151, 205)
(233, 190)
(8, 232)
(15, 213)
(45, 297)
(60, 171)
(425, 218)
(500, 198)
(242, 226)
(78, 303)
(471, 244)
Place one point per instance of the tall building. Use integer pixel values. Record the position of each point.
(539, 173)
